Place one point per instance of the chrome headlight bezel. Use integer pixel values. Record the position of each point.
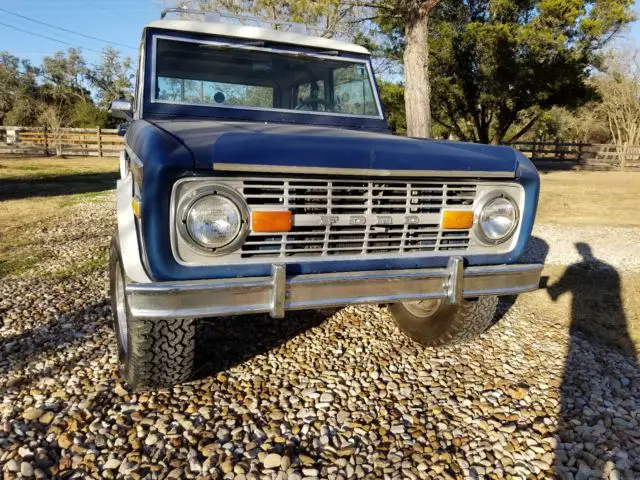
(188, 201)
(477, 224)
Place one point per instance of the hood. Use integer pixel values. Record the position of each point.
(272, 147)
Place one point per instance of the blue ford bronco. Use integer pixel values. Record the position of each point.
(259, 175)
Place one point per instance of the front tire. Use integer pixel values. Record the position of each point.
(435, 323)
(151, 353)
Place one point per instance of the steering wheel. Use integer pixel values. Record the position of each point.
(310, 102)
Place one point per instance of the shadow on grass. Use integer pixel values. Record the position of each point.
(15, 189)
(224, 342)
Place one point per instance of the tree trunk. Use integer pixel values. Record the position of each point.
(417, 92)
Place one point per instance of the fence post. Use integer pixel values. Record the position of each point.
(46, 142)
(580, 145)
(623, 158)
(99, 142)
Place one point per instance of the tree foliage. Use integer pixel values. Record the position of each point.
(18, 87)
(581, 125)
(63, 91)
(111, 78)
(392, 97)
(619, 88)
(500, 63)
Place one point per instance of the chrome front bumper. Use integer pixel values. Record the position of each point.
(278, 293)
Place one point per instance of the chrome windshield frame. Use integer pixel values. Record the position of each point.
(231, 45)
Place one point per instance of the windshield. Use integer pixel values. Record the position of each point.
(224, 75)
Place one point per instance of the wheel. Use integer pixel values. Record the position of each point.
(152, 353)
(435, 323)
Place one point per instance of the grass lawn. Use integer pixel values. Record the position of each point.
(36, 192)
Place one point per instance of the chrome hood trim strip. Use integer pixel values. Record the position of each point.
(247, 167)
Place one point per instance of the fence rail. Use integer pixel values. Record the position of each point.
(99, 142)
(581, 156)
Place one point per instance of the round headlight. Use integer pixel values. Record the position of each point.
(213, 221)
(498, 219)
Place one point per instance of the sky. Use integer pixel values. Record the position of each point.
(114, 22)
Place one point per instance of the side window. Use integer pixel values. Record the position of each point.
(352, 91)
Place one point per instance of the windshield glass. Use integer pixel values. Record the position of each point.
(227, 76)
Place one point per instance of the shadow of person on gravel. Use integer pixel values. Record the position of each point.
(596, 430)
(224, 342)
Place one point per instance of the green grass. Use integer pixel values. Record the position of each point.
(100, 261)
(20, 263)
(89, 197)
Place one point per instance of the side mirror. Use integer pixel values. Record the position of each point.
(121, 108)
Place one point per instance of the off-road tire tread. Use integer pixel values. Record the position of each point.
(468, 321)
(161, 352)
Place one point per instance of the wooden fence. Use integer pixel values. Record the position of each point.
(67, 141)
(581, 156)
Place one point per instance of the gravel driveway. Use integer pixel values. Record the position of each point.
(337, 394)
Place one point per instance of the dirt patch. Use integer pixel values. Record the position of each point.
(590, 198)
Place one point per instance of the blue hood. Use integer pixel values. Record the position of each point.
(277, 145)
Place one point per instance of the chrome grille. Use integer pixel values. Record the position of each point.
(405, 216)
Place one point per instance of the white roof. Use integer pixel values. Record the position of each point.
(256, 33)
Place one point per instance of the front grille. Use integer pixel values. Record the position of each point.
(352, 217)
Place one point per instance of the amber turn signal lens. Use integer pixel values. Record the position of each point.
(456, 219)
(271, 221)
(135, 205)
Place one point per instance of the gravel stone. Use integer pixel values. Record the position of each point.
(326, 398)
(151, 439)
(12, 466)
(342, 417)
(26, 469)
(273, 460)
(112, 464)
(32, 414)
